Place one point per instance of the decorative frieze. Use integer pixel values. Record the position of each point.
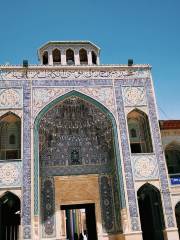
(113, 72)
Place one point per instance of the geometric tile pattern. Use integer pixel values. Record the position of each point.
(144, 166)
(10, 174)
(134, 96)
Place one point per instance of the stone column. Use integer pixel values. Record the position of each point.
(50, 57)
(89, 58)
(63, 57)
(76, 57)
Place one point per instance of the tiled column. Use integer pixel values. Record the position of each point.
(131, 194)
(26, 187)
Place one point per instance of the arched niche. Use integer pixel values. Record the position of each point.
(45, 58)
(94, 58)
(172, 154)
(10, 137)
(70, 57)
(151, 212)
(139, 132)
(10, 208)
(64, 111)
(56, 54)
(83, 58)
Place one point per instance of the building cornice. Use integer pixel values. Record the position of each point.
(74, 72)
(77, 67)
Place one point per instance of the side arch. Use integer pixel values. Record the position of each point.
(139, 132)
(10, 207)
(36, 144)
(10, 129)
(172, 154)
(149, 201)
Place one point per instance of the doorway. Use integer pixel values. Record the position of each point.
(151, 213)
(80, 219)
(177, 213)
(9, 217)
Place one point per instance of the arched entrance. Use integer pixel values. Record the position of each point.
(177, 213)
(9, 216)
(151, 213)
(79, 162)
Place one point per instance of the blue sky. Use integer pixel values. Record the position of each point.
(146, 30)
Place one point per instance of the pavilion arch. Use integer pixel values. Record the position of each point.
(177, 214)
(56, 54)
(10, 136)
(45, 57)
(83, 58)
(94, 58)
(70, 57)
(10, 208)
(36, 140)
(149, 201)
(139, 132)
(172, 154)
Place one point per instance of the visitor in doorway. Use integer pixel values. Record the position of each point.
(85, 235)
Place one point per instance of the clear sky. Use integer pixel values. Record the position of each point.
(146, 30)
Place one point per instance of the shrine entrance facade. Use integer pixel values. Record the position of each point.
(78, 133)
(78, 166)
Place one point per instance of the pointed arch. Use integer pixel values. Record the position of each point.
(172, 154)
(151, 184)
(17, 113)
(10, 136)
(83, 56)
(139, 132)
(103, 109)
(56, 53)
(70, 57)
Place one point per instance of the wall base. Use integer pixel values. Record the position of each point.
(171, 234)
(133, 236)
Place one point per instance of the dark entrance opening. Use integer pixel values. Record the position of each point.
(151, 214)
(177, 213)
(71, 221)
(9, 217)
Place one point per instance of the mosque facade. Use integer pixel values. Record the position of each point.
(81, 150)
